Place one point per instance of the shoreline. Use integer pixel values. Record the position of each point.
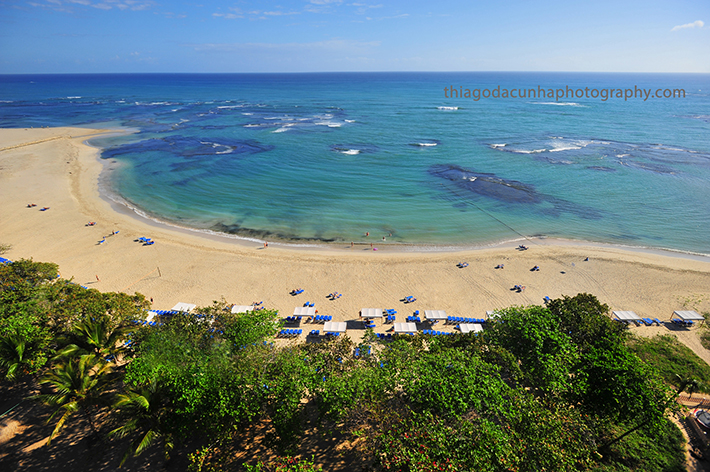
(191, 266)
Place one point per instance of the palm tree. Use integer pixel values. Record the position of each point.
(687, 384)
(80, 384)
(144, 410)
(12, 355)
(92, 336)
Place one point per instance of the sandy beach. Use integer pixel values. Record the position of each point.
(52, 167)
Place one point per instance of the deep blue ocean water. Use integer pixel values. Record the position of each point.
(329, 157)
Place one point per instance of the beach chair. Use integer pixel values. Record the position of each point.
(658, 322)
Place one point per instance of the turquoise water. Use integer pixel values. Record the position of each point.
(329, 157)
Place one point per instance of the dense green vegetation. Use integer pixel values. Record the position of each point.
(673, 360)
(552, 388)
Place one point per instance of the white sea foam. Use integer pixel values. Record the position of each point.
(447, 108)
(564, 148)
(351, 152)
(280, 130)
(72, 98)
(247, 114)
(350, 121)
(523, 151)
(252, 125)
(562, 104)
(497, 146)
(427, 144)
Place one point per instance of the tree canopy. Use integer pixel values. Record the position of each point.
(552, 388)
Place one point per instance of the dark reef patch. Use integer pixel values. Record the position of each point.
(507, 191)
(264, 234)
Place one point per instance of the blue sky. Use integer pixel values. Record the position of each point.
(86, 36)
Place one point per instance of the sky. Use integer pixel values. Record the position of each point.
(133, 36)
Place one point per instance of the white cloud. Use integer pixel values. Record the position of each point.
(255, 14)
(695, 24)
(229, 16)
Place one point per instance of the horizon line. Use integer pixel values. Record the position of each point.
(354, 72)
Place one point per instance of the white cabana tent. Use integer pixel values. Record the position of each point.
(435, 314)
(242, 308)
(335, 327)
(471, 327)
(492, 314)
(371, 312)
(626, 316)
(304, 311)
(151, 316)
(186, 307)
(689, 315)
(405, 328)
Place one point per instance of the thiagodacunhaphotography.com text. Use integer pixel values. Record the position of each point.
(566, 93)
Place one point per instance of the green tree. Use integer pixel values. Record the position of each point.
(144, 412)
(12, 356)
(80, 387)
(546, 352)
(21, 282)
(95, 336)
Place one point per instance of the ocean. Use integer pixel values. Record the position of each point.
(329, 157)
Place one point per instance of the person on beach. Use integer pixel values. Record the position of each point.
(97, 279)
(367, 234)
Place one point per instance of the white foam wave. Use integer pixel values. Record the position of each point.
(247, 114)
(73, 98)
(280, 130)
(562, 104)
(565, 148)
(497, 146)
(350, 121)
(351, 152)
(447, 108)
(252, 125)
(523, 151)
(427, 144)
